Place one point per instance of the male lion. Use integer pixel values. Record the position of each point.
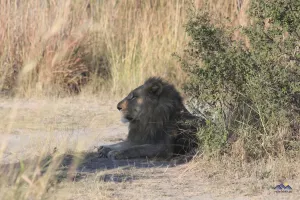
(157, 123)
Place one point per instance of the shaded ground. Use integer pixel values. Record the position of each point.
(33, 128)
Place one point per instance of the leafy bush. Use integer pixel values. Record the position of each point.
(252, 91)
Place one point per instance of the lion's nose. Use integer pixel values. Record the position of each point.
(119, 107)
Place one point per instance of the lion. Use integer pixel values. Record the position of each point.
(157, 123)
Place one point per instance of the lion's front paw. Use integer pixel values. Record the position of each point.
(115, 155)
(103, 151)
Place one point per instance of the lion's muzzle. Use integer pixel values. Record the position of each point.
(122, 105)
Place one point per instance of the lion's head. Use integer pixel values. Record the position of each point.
(156, 101)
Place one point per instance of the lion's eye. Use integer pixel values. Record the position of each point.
(131, 97)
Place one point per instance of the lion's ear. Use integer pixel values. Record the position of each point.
(156, 89)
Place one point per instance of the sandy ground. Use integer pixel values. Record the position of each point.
(29, 127)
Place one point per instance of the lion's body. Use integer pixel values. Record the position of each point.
(157, 123)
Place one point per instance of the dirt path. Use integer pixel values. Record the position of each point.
(29, 127)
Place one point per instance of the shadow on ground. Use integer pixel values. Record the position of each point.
(77, 166)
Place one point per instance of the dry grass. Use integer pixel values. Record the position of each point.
(53, 47)
(60, 45)
(231, 178)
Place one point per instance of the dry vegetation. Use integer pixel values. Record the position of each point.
(51, 48)
(57, 45)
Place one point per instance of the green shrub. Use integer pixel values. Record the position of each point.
(252, 91)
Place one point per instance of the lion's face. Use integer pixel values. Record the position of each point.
(141, 100)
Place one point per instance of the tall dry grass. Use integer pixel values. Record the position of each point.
(50, 47)
(57, 45)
